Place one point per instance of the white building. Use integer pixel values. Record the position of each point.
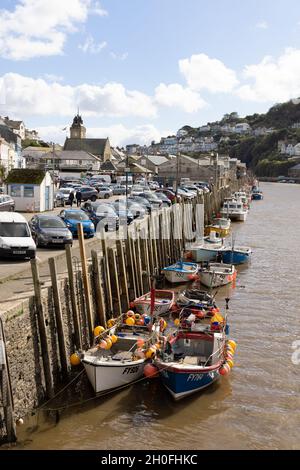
(32, 190)
(6, 155)
(242, 128)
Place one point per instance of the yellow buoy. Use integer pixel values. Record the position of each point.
(98, 330)
(111, 323)
(113, 338)
(109, 343)
(75, 359)
(176, 322)
(232, 344)
(230, 350)
(130, 321)
(150, 353)
(230, 363)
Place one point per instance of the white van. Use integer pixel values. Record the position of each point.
(15, 237)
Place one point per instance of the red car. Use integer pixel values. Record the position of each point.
(170, 194)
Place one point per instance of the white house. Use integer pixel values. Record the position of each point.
(32, 190)
(17, 127)
(6, 155)
(242, 128)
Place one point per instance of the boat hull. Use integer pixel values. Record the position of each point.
(235, 216)
(177, 277)
(210, 279)
(235, 257)
(184, 383)
(105, 377)
(201, 255)
(257, 197)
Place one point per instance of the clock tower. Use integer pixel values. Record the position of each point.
(77, 130)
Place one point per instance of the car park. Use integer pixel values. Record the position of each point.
(50, 230)
(155, 202)
(137, 190)
(73, 217)
(125, 214)
(118, 189)
(185, 194)
(138, 211)
(7, 204)
(15, 237)
(170, 194)
(100, 212)
(61, 197)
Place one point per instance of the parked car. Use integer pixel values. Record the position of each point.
(61, 198)
(191, 191)
(166, 202)
(137, 210)
(99, 212)
(15, 237)
(137, 190)
(153, 185)
(142, 202)
(73, 217)
(125, 214)
(50, 230)
(170, 194)
(155, 202)
(104, 192)
(193, 188)
(88, 193)
(185, 194)
(118, 189)
(7, 204)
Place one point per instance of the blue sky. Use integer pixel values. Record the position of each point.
(141, 68)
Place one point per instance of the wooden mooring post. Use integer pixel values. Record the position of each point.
(99, 294)
(75, 313)
(86, 281)
(42, 329)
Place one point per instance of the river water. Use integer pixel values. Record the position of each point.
(257, 405)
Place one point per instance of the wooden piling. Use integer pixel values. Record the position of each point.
(99, 294)
(115, 287)
(42, 329)
(86, 281)
(6, 391)
(75, 314)
(106, 273)
(58, 318)
(123, 275)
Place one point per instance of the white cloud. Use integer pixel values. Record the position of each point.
(51, 77)
(118, 134)
(203, 73)
(98, 10)
(38, 28)
(262, 25)
(175, 95)
(90, 46)
(121, 57)
(273, 79)
(29, 96)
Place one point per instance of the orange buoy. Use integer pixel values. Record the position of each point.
(75, 359)
(140, 343)
(113, 339)
(103, 344)
(98, 331)
(151, 371)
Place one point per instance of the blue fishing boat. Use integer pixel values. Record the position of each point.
(257, 194)
(236, 255)
(181, 272)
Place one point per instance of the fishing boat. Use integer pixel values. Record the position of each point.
(234, 210)
(205, 250)
(236, 255)
(109, 369)
(163, 302)
(217, 275)
(191, 360)
(220, 226)
(242, 197)
(195, 298)
(181, 272)
(257, 194)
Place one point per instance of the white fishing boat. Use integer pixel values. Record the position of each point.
(234, 210)
(217, 275)
(219, 225)
(181, 272)
(118, 366)
(163, 302)
(205, 250)
(241, 196)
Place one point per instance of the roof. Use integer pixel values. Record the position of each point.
(136, 168)
(14, 124)
(94, 146)
(8, 134)
(156, 159)
(25, 176)
(108, 166)
(296, 167)
(7, 217)
(70, 155)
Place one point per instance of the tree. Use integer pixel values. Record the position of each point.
(2, 173)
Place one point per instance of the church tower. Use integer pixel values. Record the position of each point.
(77, 130)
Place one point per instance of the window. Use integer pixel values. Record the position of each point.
(28, 191)
(15, 190)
